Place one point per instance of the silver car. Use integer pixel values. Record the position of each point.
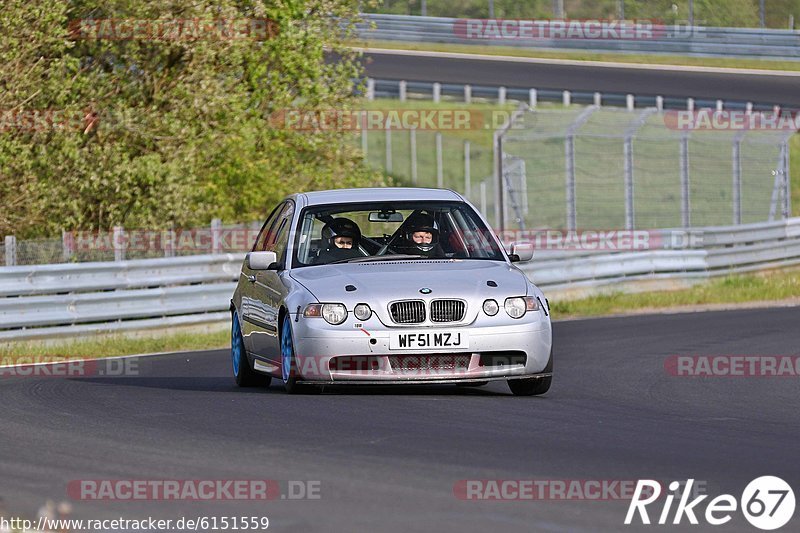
(387, 286)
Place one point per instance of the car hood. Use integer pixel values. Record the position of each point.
(378, 283)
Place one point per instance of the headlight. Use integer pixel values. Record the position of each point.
(334, 313)
(518, 306)
(490, 307)
(362, 311)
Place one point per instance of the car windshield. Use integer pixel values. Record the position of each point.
(382, 231)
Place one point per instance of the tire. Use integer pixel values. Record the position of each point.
(533, 386)
(289, 371)
(242, 373)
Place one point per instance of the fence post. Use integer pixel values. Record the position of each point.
(737, 178)
(468, 94)
(628, 170)
(169, 243)
(412, 141)
(569, 152)
(787, 193)
(216, 229)
(403, 90)
(67, 245)
(364, 138)
(11, 250)
(439, 163)
(437, 92)
(686, 220)
(119, 243)
(483, 198)
(370, 89)
(467, 170)
(388, 132)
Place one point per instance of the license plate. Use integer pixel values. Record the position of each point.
(417, 340)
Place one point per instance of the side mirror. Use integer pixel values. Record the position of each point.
(520, 251)
(261, 260)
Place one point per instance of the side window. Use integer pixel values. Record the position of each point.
(263, 235)
(279, 235)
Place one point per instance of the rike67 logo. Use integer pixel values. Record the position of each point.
(767, 503)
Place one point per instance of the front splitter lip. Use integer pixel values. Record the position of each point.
(394, 380)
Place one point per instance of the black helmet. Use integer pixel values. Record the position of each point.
(341, 227)
(422, 223)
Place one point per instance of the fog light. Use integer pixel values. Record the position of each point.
(490, 307)
(362, 311)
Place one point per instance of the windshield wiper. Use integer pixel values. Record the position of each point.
(371, 258)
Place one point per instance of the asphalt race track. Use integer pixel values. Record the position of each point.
(387, 459)
(767, 89)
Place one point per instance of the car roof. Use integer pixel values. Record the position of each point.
(382, 194)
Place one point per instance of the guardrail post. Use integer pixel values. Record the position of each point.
(686, 220)
(437, 92)
(119, 243)
(501, 95)
(629, 102)
(11, 250)
(412, 141)
(719, 105)
(660, 103)
(748, 108)
(467, 171)
(468, 94)
(439, 163)
(370, 89)
(566, 98)
(67, 245)
(533, 98)
(690, 104)
(403, 89)
(388, 133)
(598, 99)
(216, 230)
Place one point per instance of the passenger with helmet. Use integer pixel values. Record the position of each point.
(421, 237)
(340, 239)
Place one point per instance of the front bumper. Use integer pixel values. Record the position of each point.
(522, 349)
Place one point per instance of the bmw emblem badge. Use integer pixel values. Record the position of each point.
(425, 290)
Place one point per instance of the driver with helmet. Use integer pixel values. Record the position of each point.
(421, 237)
(340, 238)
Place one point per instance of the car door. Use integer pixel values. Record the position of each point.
(253, 311)
(269, 289)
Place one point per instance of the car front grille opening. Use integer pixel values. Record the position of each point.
(447, 310)
(411, 364)
(408, 312)
(354, 363)
(503, 358)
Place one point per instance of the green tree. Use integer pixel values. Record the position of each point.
(167, 131)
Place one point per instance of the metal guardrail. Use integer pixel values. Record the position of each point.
(70, 299)
(682, 40)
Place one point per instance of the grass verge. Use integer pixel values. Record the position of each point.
(762, 287)
(102, 346)
(650, 59)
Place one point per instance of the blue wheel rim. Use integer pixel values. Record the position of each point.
(236, 343)
(287, 350)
